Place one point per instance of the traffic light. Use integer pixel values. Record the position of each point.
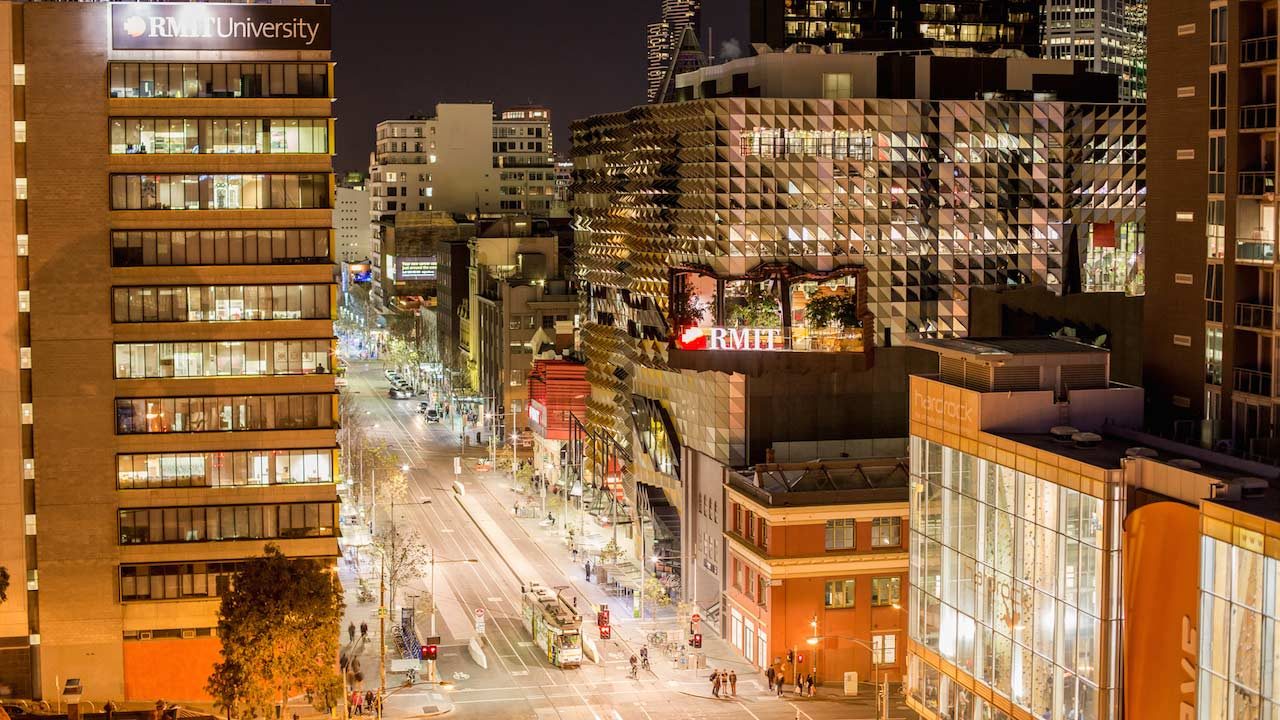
(432, 651)
(603, 618)
(606, 632)
(791, 656)
(697, 641)
(800, 659)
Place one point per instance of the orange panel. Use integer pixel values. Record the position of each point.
(1161, 562)
(175, 670)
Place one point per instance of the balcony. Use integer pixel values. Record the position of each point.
(1258, 117)
(1252, 315)
(1259, 49)
(1257, 182)
(1254, 250)
(1254, 382)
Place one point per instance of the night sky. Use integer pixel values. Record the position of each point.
(578, 57)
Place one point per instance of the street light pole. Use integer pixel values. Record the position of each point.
(382, 633)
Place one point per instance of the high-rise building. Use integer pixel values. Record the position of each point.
(1213, 109)
(663, 39)
(984, 25)
(351, 223)
(167, 364)
(1110, 35)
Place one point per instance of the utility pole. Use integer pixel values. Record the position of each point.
(382, 633)
(431, 664)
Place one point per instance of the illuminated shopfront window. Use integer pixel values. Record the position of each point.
(1239, 632)
(1006, 578)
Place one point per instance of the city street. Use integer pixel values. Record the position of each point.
(483, 555)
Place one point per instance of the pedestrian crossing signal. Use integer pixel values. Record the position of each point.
(697, 640)
(606, 632)
(432, 651)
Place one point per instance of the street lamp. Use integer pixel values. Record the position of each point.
(882, 700)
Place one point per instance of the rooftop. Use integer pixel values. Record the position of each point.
(824, 482)
(992, 348)
(1265, 506)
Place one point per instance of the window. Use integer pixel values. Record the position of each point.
(20, 131)
(840, 534)
(762, 590)
(219, 80)
(886, 591)
(225, 358)
(886, 532)
(738, 573)
(884, 649)
(176, 582)
(237, 413)
(140, 248)
(220, 192)
(182, 136)
(20, 188)
(836, 85)
(146, 526)
(762, 533)
(221, 303)
(218, 468)
(19, 74)
(839, 594)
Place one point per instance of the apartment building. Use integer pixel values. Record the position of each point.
(464, 160)
(169, 357)
(351, 224)
(1109, 35)
(662, 41)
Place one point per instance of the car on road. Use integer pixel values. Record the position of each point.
(422, 407)
(399, 393)
(433, 415)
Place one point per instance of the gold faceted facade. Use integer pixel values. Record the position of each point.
(929, 198)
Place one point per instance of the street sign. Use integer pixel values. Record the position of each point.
(479, 612)
(457, 466)
(697, 618)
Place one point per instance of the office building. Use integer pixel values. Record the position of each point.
(816, 559)
(521, 305)
(663, 39)
(1109, 35)
(351, 223)
(169, 358)
(860, 25)
(464, 160)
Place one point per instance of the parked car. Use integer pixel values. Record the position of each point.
(391, 374)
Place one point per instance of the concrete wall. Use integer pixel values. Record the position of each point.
(702, 546)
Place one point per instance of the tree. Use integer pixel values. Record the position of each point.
(406, 557)
(279, 627)
(756, 307)
(832, 308)
(4, 584)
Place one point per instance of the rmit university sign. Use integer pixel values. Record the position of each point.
(218, 26)
(738, 338)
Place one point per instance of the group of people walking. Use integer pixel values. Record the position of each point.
(777, 677)
(363, 703)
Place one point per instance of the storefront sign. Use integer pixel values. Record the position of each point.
(736, 339)
(923, 404)
(217, 26)
(416, 268)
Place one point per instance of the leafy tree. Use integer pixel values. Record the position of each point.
(279, 628)
(756, 307)
(407, 557)
(656, 592)
(687, 309)
(4, 584)
(832, 308)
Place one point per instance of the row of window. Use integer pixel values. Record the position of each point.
(180, 581)
(242, 191)
(221, 303)
(219, 80)
(183, 136)
(238, 413)
(885, 592)
(750, 526)
(144, 526)
(224, 468)
(139, 248)
(222, 358)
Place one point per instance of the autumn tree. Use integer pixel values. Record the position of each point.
(279, 627)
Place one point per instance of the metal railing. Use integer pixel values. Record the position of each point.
(1258, 117)
(1255, 250)
(1257, 182)
(1259, 49)
(1253, 315)
(1254, 382)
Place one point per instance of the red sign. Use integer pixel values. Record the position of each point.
(603, 618)
(697, 618)
(606, 632)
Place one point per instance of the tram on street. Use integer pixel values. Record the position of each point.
(555, 626)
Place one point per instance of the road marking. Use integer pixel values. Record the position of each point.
(800, 712)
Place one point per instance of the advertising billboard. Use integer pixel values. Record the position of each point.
(218, 26)
(416, 268)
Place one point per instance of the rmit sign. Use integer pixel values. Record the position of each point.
(723, 338)
(216, 26)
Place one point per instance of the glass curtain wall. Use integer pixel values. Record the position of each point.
(1007, 578)
(1239, 632)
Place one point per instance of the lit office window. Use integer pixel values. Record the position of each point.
(238, 413)
(19, 74)
(146, 526)
(248, 191)
(222, 358)
(134, 248)
(224, 468)
(221, 303)
(179, 136)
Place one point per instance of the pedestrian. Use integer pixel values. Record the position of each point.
(587, 570)
(782, 683)
(351, 631)
(769, 675)
(364, 631)
(808, 685)
(368, 701)
(715, 683)
(733, 683)
(356, 700)
(574, 552)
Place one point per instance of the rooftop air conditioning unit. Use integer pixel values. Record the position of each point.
(1146, 452)
(1239, 489)
(1062, 433)
(1086, 439)
(1185, 463)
